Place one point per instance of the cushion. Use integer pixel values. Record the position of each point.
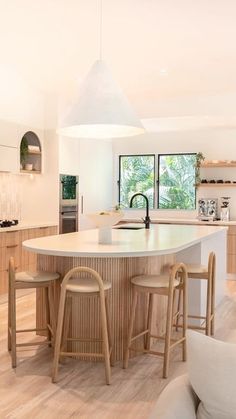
(177, 401)
(212, 374)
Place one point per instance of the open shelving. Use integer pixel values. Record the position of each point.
(32, 157)
(214, 185)
(209, 164)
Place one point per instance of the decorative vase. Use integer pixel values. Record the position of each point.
(104, 235)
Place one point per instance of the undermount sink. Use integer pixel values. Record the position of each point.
(129, 228)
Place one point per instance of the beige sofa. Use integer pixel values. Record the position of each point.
(211, 369)
(177, 401)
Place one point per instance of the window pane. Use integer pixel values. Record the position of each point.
(136, 175)
(177, 181)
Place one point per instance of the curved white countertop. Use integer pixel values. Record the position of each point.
(159, 240)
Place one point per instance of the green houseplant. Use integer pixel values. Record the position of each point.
(199, 159)
(23, 151)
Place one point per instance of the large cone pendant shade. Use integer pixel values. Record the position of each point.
(102, 110)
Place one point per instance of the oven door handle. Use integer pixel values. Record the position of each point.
(68, 212)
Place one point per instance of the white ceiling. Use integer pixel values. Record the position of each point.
(158, 50)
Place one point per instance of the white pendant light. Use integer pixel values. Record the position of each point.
(101, 109)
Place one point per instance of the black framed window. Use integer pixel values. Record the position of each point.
(176, 181)
(136, 174)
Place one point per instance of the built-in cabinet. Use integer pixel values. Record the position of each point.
(11, 136)
(231, 250)
(11, 246)
(8, 147)
(30, 153)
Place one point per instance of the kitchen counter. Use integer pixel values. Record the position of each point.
(158, 240)
(25, 226)
(187, 221)
(132, 252)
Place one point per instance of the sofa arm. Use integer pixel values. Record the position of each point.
(177, 401)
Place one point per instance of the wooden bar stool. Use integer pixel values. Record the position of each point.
(161, 285)
(207, 273)
(25, 280)
(87, 287)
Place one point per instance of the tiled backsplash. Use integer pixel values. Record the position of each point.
(10, 197)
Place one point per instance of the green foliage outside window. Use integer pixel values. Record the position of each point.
(137, 175)
(177, 181)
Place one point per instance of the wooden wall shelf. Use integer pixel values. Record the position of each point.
(35, 152)
(31, 172)
(216, 185)
(220, 164)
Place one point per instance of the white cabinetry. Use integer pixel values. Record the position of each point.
(8, 147)
(8, 159)
(92, 161)
(95, 178)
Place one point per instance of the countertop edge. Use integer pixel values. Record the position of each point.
(27, 226)
(121, 254)
(187, 221)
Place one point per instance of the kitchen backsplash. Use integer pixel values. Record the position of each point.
(10, 197)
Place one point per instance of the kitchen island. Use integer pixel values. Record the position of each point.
(132, 252)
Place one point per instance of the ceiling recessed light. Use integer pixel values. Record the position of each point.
(163, 72)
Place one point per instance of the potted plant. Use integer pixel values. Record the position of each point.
(23, 151)
(199, 159)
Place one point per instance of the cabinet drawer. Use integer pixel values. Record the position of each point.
(43, 231)
(12, 238)
(232, 230)
(24, 254)
(231, 244)
(3, 282)
(53, 231)
(11, 251)
(2, 239)
(231, 264)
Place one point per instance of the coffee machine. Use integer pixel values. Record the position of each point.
(224, 210)
(207, 209)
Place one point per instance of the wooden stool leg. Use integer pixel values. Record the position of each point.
(168, 332)
(66, 324)
(178, 309)
(105, 338)
(208, 307)
(149, 322)
(130, 330)
(185, 317)
(58, 335)
(47, 311)
(109, 333)
(52, 311)
(9, 318)
(213, 302)
(13, 325)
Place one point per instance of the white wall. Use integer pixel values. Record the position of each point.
(217, 144)
(22, 109)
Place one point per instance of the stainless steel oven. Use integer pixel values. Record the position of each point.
(69, 198)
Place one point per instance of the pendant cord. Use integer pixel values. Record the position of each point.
(100, 42)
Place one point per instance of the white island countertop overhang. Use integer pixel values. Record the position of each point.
(158, 240)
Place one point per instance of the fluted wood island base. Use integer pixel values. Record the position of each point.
(131, 253)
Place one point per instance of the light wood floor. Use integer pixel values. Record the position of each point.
(27, 392)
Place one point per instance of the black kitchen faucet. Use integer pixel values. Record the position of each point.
(147, 219)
